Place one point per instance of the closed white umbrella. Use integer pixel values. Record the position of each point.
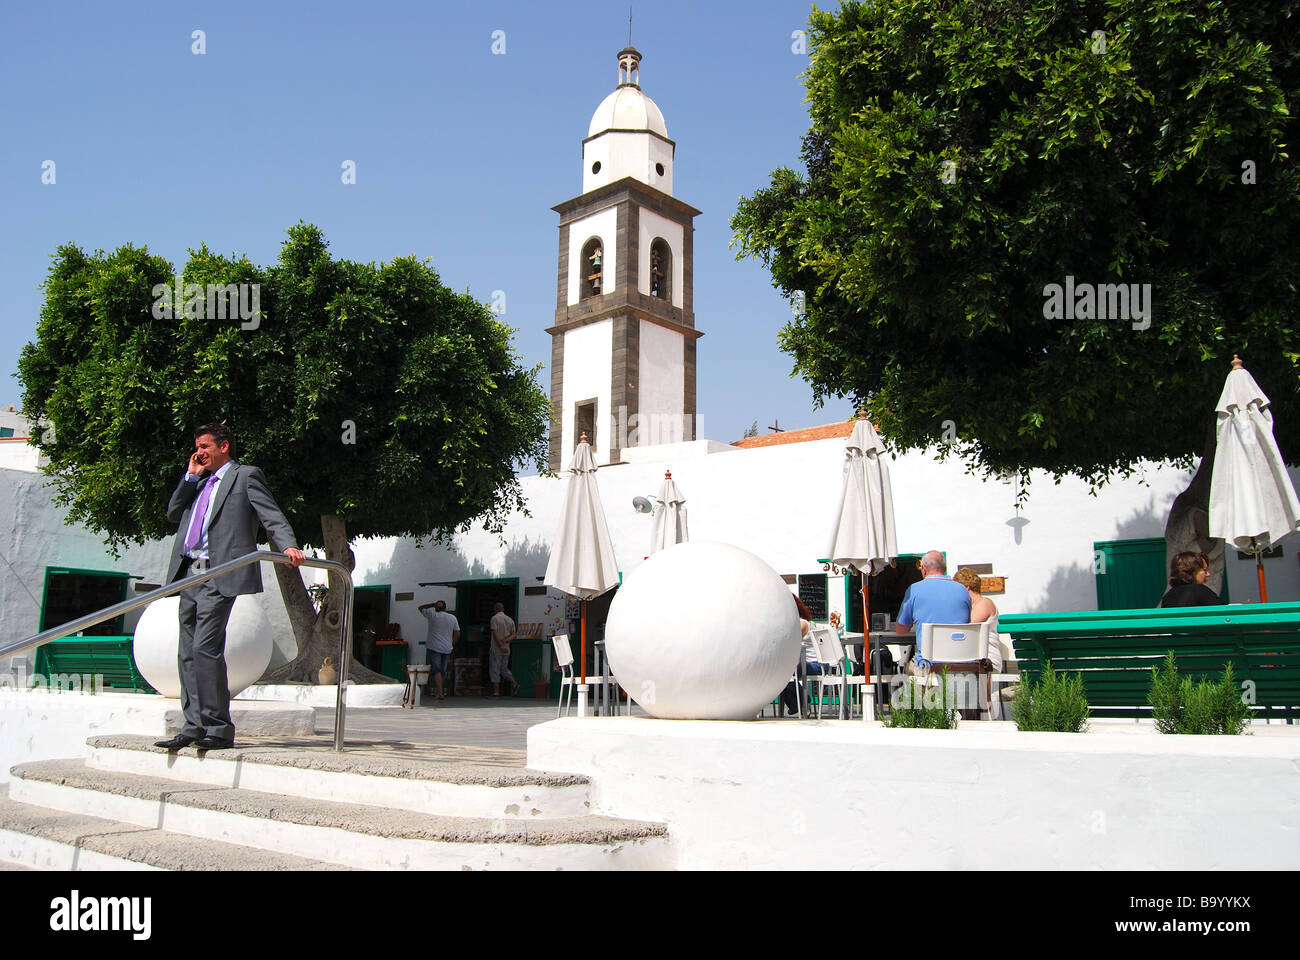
(668, 527)
(1253, 504)
(863, 537)
(582, 563)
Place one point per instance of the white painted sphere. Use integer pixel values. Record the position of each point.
(248, 644)
(703, 631)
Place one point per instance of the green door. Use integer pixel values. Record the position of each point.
(1130, 573)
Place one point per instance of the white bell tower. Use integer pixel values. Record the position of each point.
(623, 344)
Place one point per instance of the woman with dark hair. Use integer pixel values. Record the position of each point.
(1187, 575)
(808, 662)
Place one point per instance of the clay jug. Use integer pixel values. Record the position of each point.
(328, 674)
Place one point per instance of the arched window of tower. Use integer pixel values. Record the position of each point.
(592, 271)
(661, 261)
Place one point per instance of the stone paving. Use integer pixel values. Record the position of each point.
(476, 730)
(464, 729)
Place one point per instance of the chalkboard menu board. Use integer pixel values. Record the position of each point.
(812, 591)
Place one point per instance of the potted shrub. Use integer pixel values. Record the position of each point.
(1205, 707)
(1056, 703)
(919, 706)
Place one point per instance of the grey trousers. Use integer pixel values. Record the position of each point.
(205, 693)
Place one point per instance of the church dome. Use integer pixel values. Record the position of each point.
(628, 108)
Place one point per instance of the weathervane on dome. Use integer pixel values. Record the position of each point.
(629, 59)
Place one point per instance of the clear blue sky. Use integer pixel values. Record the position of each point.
(460, 153)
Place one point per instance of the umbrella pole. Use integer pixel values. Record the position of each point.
(866, 630)
(582, 661)
(1259, 571)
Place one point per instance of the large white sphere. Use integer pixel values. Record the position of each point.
(248, 644)
(703, 631)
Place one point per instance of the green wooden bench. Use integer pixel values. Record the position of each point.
(109, 657)
(1114, 651)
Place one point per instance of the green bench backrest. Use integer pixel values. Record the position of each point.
(110, 657)
(1114, 650)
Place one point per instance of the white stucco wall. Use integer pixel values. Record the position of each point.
(18, 454)
(845, 795)
(15, 452)
(604, 225)
(588, 353)
(627, 154)
(662, 376)
(653, 226)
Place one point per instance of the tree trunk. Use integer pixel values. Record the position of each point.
(319, 634)
(1188, 527)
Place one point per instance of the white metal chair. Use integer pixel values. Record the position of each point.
(569, 680)
(609, 686)
(563, 660)
(852, 681)
(956, 643)
(830, 656)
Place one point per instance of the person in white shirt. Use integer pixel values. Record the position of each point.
(444, 632)
(503, 631)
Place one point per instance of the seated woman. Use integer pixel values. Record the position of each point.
(1187, 575)
(983, 609)
(808, 663)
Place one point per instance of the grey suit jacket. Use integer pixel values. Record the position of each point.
(241, 504)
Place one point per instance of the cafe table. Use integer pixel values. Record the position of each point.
(900, 647)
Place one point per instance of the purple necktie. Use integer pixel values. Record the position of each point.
(200, 512)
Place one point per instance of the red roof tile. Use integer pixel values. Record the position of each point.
(830, 431)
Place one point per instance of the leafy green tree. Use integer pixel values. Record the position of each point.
(378, 401)
(964, 156)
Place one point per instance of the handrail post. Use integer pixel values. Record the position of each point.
(345, 664)
(177, 586)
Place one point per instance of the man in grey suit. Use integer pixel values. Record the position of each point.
(219, 505)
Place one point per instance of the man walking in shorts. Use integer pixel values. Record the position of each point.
(503, 631)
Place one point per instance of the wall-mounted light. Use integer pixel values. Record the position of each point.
(642, 505)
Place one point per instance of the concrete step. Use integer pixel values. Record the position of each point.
(38, 838)
(404, 782)
(355, 835)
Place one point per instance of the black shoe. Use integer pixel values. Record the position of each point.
(176, 742)
(214, 743)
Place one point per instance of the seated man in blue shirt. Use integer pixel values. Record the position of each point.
(936, 599)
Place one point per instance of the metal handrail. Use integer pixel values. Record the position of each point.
(126, 606)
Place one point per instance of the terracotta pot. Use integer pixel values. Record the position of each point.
(541, 689)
